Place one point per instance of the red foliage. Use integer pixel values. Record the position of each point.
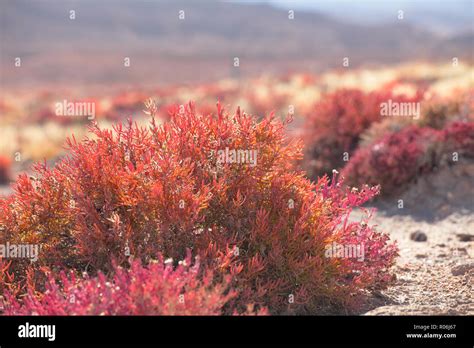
(157, 289)
(338, 121)
(459, 137)
(163, 190)
(399, 157)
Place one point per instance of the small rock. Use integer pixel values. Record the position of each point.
(420, 256)
(404, 268)
(462, 269)
(418, 236)
(465, 237)
(405, 280)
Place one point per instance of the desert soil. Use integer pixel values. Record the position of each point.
(435, 235)
(433, 277)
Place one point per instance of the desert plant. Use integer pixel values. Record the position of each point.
(438, 112)
(168, 188)
(337, 122)
(157, 289)
(394, 160)
(459, 137)
(400, 157)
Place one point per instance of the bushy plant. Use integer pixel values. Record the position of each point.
(392, 161)
(157, 289)
(165, 189)
(459, 137)
(337, 122)
(438, 112)
(400, 157)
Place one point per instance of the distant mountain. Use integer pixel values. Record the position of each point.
(439, 16)
(166, 49)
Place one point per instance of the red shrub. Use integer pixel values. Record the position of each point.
(459, 137)
(337, 122)
(399, 157)
(163, 190)
(5, 170)
(157, 289)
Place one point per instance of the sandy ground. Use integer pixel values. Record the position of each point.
(434, 277)
(435, 234)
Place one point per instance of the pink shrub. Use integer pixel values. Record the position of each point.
(156, 289)
(337, 122)
(399, 157)
(459, 137)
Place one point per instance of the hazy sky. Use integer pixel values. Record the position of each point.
(443, 16)
(383, 7)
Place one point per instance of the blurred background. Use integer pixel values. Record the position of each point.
(200, 45)
(261, 55)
